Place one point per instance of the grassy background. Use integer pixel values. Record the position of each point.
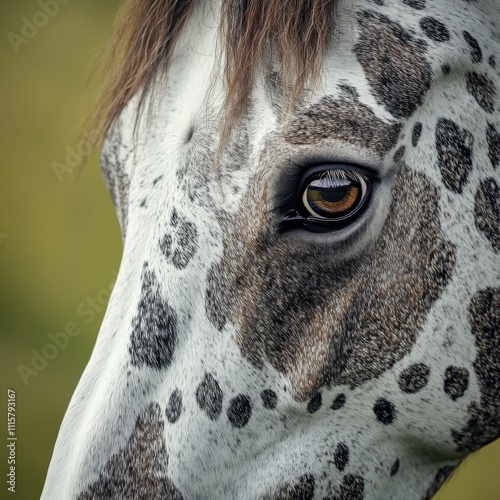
(62, 240)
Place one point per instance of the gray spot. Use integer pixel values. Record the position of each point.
(154, 327)
(394, 63)
(302, 489)
(414, 378)
(456, 381)
(138, 471)
(475, 49)
(209, 397)
(434, 29)
(180, 244)
(487, 211)
(482, 89)
(343, 118)
(454, 149)
(493, 140)
(174, 407)
(416, 4)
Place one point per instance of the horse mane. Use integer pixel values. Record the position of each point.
(293, 33)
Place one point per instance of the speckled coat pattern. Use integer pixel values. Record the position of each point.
(240, 361)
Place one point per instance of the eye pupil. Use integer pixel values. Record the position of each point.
(331, 201)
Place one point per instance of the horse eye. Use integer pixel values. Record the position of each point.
(335, 197)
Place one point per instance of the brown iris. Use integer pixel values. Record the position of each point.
(334, 196)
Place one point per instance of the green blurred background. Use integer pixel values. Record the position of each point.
(59, 239)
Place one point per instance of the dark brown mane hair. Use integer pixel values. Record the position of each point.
(292, 33)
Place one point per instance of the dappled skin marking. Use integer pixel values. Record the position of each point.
(269, 399)
(174, 406)
(414, 378)
(475, 50)
(416, 133)
(303, 489)
(454, 148)
(395, 468)
(351, 488)
(482, 89)
(394, 62)
(338, 402)
(330, 319)
(456, 381)
(484, 423)
(385, 411)
(154, 327)
(209, 397)
(343, 118)
(416, 4)
(138, 471)
(239, 411)
(341, 456)
(487, 211)
(434, 29)
(493, 140)
(180, 244)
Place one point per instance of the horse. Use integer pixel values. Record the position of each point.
(308, 300)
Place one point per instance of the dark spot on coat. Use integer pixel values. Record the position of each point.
(341, 456)
(482, 89)
(475, 49)
(351, 488)
(493, 140)
(492, 61)
(434, 29)
(395, 468)
(139, 469)
(484, 423)
(399, 154)
(416, 4)
(315, 403)
(416, 133)
(154, 327)
(454, 150)
(343, 118)
(338, 402)
(456, 381)
(487, 211)
(174, 406)
(445, 68)
(394, 63)
(209, 397)
(269, 399)
(441, 476)
(239, 411)
(214, 308)
(180, 244)
(414, 378)
(302, 489)
(385, 411)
